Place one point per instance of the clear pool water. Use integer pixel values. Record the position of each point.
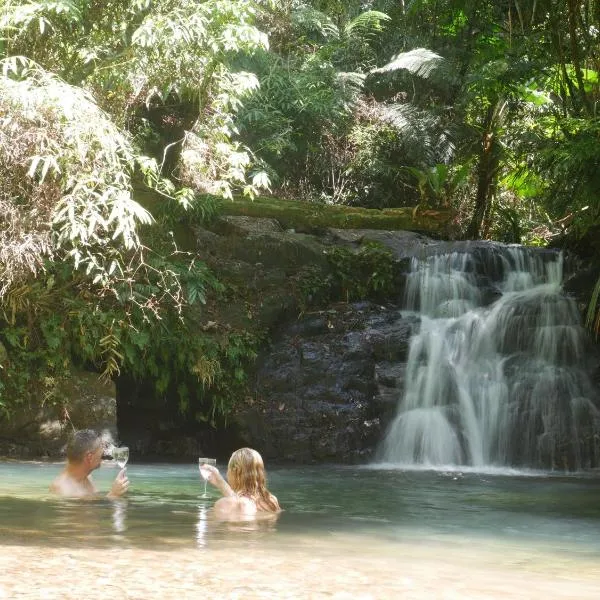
(356, 532)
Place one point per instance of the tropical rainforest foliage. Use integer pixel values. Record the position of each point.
(487, 109)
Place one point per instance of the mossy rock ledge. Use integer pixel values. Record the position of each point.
(306, 216)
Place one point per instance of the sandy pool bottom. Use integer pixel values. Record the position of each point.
(332, 566)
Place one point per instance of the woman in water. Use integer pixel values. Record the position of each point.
(246, 494)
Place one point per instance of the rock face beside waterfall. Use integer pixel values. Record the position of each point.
(328, 385)
(273, 277)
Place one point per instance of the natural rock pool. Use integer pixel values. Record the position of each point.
(347, 532)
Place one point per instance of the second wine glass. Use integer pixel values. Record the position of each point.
(205, 473)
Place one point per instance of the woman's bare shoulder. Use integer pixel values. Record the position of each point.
(235, 506)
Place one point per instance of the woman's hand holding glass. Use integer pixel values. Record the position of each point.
(209, 473)
(206, 466)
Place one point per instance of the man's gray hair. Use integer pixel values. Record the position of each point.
(82, 442)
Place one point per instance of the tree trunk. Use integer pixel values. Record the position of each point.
(575, 56)
(486, 172)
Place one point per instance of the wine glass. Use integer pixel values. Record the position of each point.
(205, 473)
(121, 456)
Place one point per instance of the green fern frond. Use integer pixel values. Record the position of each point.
(592, 320)
(314, 21)
(351, 83)
(112, 357)
(366, 24)
(207, 369)
(418, 129)
(420, 61)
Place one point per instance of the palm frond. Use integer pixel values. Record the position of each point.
(351, 82)
(365, 24)
(420, 61)
(111, 352)
(419, 129)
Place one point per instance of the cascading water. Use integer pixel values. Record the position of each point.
(496, 375)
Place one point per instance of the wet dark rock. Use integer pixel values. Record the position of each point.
(580, 283)
(390, 374)
(391, 341)
(321, 396)
(402, 243)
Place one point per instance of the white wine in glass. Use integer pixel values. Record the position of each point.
(205, 473)
(121, 456)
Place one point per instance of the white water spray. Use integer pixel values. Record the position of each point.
(494, 384)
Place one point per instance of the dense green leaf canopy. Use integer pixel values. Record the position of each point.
(119, 120)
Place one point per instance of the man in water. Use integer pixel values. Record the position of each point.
(84, 455)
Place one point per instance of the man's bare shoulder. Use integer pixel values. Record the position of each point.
(67, 487)
(57, 485)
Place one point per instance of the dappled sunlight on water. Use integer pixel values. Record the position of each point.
(346, 533)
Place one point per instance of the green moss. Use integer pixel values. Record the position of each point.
(293, 214)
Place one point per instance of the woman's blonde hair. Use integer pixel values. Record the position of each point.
(247, 477)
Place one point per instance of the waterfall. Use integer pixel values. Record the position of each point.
(497, 373)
